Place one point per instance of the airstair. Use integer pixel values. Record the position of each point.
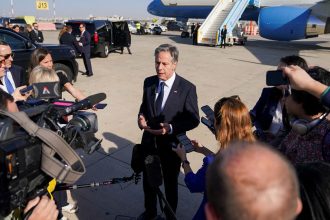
(225, 12)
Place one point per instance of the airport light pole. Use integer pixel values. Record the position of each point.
(12, 7)
(54, 10)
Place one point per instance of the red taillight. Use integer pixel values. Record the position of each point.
(96, 37)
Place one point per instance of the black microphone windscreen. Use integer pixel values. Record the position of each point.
(94, 99)
(153, 171)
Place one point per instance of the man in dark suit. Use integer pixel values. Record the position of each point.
(85, 41)
(223, 35)
(169, 107)
(12, 78)
(39, 35)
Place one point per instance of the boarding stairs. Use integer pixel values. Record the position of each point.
(225, 12)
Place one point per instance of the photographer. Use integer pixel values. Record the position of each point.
(309, 139)
(232, 123)
(301, 80)
(268, 114)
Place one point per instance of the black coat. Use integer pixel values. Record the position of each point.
(70, 40)
(85, 39)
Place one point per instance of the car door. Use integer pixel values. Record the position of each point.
(21, 47)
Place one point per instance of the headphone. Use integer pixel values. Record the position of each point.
(302, 126)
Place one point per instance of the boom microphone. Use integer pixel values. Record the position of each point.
(83, 104)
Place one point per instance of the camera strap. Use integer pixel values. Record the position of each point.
(52, 143)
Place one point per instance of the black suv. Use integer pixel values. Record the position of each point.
(22, 47)
(106, 36)
(14, 21)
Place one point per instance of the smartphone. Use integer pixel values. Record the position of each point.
(101, 105)
(276, 78)
(208, 112)
(208, 124)
(186, 143)
(25, 90)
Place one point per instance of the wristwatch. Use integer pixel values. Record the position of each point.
(184, 162)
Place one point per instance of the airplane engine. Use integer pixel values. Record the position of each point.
(286, 23)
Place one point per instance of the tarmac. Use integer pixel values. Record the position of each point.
(217, 72)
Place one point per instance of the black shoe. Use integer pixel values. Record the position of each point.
(89, 75)
(130, 53)
(86, 73)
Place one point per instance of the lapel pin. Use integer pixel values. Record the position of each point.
(175, 91)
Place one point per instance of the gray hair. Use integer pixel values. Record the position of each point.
(168, 48)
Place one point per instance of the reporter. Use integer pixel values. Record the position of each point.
(232, 123)
(43, 57)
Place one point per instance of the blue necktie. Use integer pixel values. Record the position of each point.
(159, 100)
(9, 86)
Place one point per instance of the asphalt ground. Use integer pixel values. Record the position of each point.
(237, 70)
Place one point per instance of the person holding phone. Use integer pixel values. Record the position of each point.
(268, 114)
(232, 123)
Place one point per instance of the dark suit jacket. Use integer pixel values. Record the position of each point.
(40, 37)
(70, 40)
(85, 39)
(262, 112)
(18, 75)
(32, 35)
(180, 110)
(223, 32)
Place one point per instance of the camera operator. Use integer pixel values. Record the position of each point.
(45, 209)
(232, 123)
(11, 76)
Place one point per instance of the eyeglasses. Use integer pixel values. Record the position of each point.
(7, 56)
(81, 27)
(35, 26)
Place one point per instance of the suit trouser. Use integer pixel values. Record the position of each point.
(223, 41)
(87, 62)
(170, 163)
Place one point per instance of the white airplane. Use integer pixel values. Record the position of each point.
(284, 20)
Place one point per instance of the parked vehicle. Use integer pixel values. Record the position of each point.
(163, 28)
(13, 21)
(105, 34)
(156, 30)
(63, 56)
(175, 26)
(59, 25)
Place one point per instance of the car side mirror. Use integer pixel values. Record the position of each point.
(28, 44)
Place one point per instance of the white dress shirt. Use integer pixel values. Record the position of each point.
(167, 88)
(10, 77)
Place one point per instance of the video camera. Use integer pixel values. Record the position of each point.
(29, 158)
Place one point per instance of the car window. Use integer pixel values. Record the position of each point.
(14, 42)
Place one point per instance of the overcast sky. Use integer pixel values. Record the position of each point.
(79, 8)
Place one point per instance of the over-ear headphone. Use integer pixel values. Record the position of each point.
(302, 126)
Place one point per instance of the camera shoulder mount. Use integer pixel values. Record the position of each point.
(52, 144)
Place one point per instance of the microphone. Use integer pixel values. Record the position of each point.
(153, 171)
(83, 104)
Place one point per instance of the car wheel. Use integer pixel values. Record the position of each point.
(59, 67)
(105, 51)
